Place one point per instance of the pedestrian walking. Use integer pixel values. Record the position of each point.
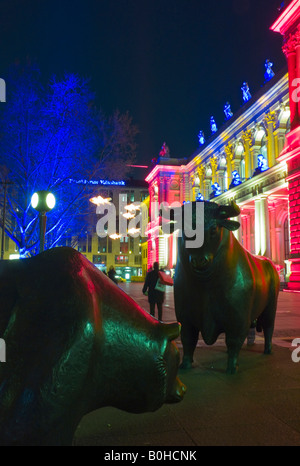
(155, 296)
(112, 274)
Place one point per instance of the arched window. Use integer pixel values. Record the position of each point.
(264, 149)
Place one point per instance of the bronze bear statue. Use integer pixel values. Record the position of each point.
(76, 342)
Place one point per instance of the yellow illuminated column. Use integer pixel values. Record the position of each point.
(193, 186)
(229, 155)
(214, 165)
(200, 172)
(271, 125)
(247, 139)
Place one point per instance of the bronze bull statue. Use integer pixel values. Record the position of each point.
(222, 288)
(76, 342)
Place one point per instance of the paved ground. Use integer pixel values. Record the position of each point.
(260, 405)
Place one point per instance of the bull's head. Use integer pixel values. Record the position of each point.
(216, 219)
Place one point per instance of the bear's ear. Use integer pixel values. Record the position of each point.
(230, 224)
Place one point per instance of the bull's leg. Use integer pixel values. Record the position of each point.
(267, 320)
(234, 345)
(189, 339)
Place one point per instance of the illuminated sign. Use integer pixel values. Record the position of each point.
(98, 182)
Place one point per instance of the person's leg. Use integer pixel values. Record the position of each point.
(152, 309)
(159, 309)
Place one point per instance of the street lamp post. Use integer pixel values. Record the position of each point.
(43, 202)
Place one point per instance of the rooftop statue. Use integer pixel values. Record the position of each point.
(236, 179)
(227, 111)
(213, 125)
(199, 197)
(246, 92)
(201, 138)
(216, 190)
(269, 73)
(164, 152)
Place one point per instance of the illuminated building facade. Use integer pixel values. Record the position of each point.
(253, 159)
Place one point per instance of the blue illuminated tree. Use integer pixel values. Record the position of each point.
(50, 133)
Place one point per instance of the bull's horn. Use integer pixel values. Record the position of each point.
(172, 330)
(227, 211)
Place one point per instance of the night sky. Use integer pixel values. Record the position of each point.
(170, 63)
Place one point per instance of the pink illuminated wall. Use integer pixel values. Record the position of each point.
(288, 25)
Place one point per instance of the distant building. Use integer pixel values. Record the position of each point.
(125, 254)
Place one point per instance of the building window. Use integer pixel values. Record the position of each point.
(102, 244)
(89, 238)
(144, 195)
(101, 259)
(131, 243)
(82, 244)
(124, 244)
(121, 259)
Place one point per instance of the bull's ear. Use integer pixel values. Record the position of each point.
(230, 224)
(226, 211)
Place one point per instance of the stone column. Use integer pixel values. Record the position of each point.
(271, 124)
(296, 39)
(273, 237)
(264, 227)
(248, 141)
(214, 165)
(207, 185)
(200, 171)
(257, 227)
(229, 155)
